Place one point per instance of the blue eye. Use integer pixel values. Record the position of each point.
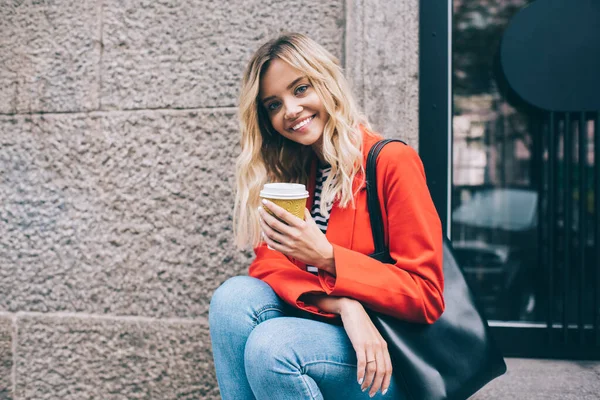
(301, 89)
(273, 106)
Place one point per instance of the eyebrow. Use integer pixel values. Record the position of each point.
(289, 87)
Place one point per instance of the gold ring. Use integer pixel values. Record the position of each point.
(371, 361)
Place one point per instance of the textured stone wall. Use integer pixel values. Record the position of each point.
(383, 63)
(118, 133)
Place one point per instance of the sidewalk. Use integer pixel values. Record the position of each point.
(545, 379)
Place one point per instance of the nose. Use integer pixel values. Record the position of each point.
(292, 109)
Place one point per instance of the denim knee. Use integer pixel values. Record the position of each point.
(227, 295)
(274, 359)
(271, 343)
(238, 296)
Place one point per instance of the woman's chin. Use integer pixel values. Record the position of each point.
(310, 138)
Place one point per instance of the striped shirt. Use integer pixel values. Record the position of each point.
(315, 210)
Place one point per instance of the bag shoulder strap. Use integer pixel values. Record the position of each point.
(381, 253)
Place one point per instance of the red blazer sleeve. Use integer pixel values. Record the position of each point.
(288, 280)
(411, 289)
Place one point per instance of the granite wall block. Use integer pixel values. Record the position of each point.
(49, 55)
(117, 213)
(75, 357)
(382, 52)
(188, 54)
(6, 356)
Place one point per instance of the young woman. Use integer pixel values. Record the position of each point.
(296, 328)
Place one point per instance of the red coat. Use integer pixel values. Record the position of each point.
(412, 288)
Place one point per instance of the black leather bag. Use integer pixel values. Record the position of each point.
(451, 358)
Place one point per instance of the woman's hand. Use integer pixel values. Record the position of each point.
(302, 240)
(374, 366)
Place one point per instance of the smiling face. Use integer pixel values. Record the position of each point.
(292, 104)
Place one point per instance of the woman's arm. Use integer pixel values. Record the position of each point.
(330, 304)
(412, 287)
(374, 366)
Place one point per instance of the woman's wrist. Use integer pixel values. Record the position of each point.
(347, 304)
(327, 263)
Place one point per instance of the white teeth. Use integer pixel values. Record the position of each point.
(301, 124)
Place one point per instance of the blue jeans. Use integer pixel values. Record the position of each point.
(265, 349)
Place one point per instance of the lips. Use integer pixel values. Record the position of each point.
(302, 123)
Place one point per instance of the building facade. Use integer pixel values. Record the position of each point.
(118, 133)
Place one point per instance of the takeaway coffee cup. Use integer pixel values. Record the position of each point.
(290, 196)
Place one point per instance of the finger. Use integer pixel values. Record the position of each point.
(274, 223)
(307, 217)
(267, 234)
(309, 220)
(273, 245)
(388, 372)
(282, 213)
(361, 363)
(370, 368)
(379, 374)
(271, 233)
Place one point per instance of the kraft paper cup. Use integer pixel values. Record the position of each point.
(289, 196)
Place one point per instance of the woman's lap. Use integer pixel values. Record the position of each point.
(284, 356)
(315, 349)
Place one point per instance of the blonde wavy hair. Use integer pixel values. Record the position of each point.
(267, 156)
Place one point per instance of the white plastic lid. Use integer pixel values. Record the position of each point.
(284, 191)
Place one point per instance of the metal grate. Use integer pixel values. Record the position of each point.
(569, 228)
